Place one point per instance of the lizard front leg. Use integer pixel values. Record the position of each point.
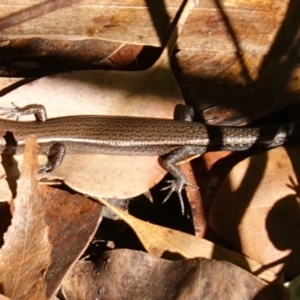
(37, 110)
(57, 151)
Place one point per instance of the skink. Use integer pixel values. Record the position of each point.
(171, 139)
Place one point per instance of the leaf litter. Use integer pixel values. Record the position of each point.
(133, 94)
(46, 237)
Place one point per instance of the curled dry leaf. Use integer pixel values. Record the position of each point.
(150, 93)
(26, 253)
(257, 209)
(124, 274)
(160, 241)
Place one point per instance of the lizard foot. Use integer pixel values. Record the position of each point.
(17, 112)
(177, 186)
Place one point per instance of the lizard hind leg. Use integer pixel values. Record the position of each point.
(169, 162)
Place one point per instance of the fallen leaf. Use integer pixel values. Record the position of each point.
(26, 253)
(256, 210)
(150, 93)
(123, 274)
(160, 241)
(207, 30)
(73, 221)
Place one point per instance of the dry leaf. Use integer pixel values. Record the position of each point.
(159, 241)
(73, 19)
(207, 30)
(150, 93)
(73, 221)
(257, 209)
(26, 253)
(123, 274)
